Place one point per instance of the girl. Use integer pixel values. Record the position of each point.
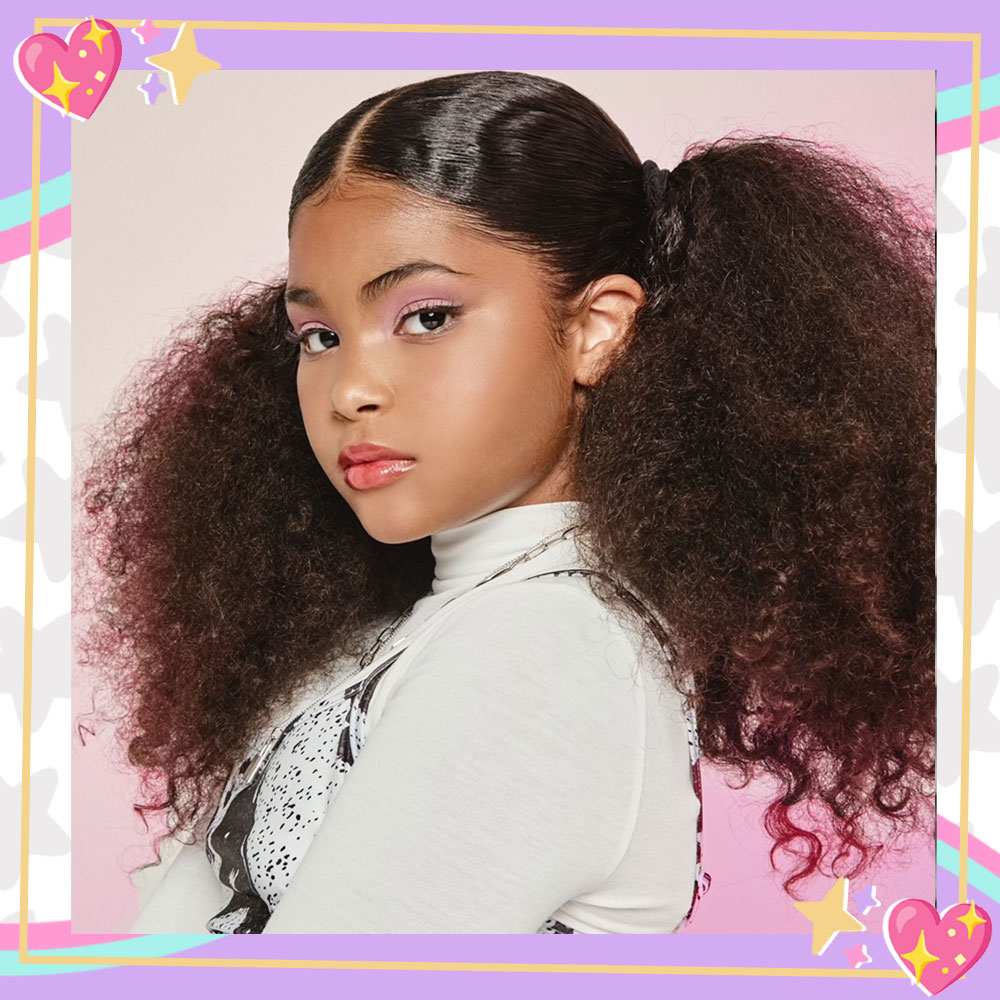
(431, 565)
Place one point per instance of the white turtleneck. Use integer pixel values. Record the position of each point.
(520, 759)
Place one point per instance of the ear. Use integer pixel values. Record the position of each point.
(601, 324)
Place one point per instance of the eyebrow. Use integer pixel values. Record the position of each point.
(377, 287)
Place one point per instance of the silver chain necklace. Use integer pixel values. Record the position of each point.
(390, 630)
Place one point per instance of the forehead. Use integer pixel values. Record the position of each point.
(369, 225)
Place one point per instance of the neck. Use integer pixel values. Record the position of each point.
(471, 551)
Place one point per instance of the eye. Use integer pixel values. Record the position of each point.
(428, 319)
(315, 339)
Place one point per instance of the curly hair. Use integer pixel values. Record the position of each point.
(757, 463)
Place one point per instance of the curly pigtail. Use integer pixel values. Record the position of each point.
(777, 470)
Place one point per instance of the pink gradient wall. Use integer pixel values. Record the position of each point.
(172, 205)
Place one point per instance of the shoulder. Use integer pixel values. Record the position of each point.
(562, 604)
(524, 689)
(546, 645)
(535, 617)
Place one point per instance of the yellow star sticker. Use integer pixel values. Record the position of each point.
(919, 957)
(970, 919)
(829, 916)
(97, 35)
(60, 87)
(182, 63)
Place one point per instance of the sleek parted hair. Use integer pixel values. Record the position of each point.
(757, 463)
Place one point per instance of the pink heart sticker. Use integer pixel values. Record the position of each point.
(74, 75)
(935, 950)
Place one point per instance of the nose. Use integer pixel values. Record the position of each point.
(358, 385)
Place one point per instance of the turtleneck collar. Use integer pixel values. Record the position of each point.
(464, 555)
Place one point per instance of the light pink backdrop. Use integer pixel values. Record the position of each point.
(171, 205)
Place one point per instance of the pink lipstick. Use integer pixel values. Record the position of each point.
(368, 465)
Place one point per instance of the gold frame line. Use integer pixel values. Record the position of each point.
(970, 445)
(531, 29)
(24, 957)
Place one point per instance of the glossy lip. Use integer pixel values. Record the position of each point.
(371, 475)
(366, 451)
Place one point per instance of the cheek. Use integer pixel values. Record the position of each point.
(313, 406)
(305, 399)
(312, 388)
(511, 391)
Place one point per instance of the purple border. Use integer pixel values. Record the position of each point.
(246, 50)
(761, 950)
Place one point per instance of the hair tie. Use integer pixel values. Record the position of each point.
(654, 182)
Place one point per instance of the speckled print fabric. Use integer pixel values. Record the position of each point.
(553, 926)
(265, 821)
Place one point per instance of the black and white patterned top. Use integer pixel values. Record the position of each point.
(613, 736)
(270, 808)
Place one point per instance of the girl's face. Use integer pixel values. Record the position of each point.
(425, 339)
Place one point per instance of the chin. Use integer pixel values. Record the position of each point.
(391, 527)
